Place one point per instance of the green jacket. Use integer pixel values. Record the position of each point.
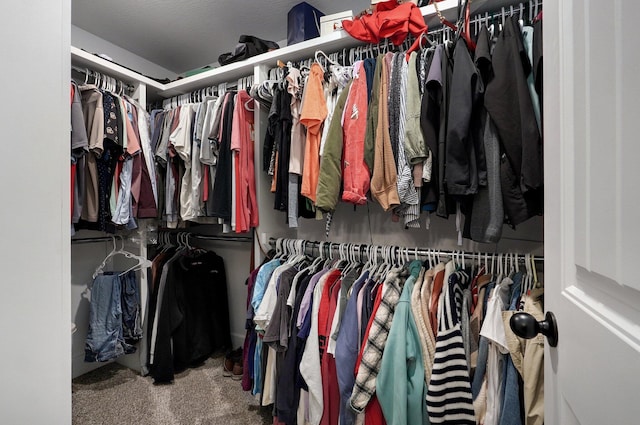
(330, 178)
(372, 116)
(414, 144)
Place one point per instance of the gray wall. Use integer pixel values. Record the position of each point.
(35, 302)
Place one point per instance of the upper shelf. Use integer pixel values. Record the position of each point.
(329, 43)
(85, 59)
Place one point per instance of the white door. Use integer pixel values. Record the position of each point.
(592, 210)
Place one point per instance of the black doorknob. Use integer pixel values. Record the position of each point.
(526, 326)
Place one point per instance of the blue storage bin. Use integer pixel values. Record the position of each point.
(303, 23)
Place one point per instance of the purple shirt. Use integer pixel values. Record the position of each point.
(308, 294)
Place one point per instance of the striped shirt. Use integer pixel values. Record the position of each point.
(449, 394)
(407, 192)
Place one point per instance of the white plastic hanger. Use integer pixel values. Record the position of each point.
(102, 265)
(142, 262)
(528, 277)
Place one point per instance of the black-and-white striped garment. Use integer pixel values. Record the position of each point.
(449, 392)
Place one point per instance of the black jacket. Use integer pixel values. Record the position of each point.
(509, 103)
(194, 314)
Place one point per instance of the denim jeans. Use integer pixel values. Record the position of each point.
(131, 310)
(511, 406)
(105, 338)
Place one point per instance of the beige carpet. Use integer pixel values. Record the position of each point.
(117, 395)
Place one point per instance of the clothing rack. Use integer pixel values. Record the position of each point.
(188, 235)
(80, 241)
(328, 248)
(199, 95)
(103, 81)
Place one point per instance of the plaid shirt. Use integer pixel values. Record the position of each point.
(365, 385)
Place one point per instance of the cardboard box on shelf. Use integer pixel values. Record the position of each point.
(333, 22)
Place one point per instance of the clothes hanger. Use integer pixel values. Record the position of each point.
(520, 13)
(378, 273)
(379, 265)
(141, 260)
(104, 262)
(298, 255)
(342, 260)
(535, 283)
(328, 259)
(418, 44)
(142, 263)
(527, 277)
(500, 264)
(321, 57)
(368, 265)
(278, 248)
(352, 52)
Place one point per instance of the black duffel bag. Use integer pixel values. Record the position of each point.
(247, 47)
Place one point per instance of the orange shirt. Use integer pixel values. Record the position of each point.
(314, 112)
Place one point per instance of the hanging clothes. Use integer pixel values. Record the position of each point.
(242, 148)
(314, 111)
(222, 185)
(192, 315)
(114, 317)
(449, 398)
(117, 130)
(354, 121)
(514, 118)
(365, 384)
(400, 387)
(297, 302)
(384, 177)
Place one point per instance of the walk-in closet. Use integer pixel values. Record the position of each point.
(421, 213)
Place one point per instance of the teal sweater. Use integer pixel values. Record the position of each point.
(400, 387)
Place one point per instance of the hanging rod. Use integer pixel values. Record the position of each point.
(223, 238)
(422, 252)
(196, 96)
(96, 239)
(212, 237)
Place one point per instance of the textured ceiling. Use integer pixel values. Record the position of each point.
(181, 35)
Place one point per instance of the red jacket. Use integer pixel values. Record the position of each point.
(390, 20)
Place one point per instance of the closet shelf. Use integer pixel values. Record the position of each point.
(85, 59)
(229, 73)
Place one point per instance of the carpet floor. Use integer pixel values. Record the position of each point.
(115, 394)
